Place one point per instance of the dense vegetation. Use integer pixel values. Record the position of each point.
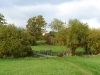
(14, 42)
(17, 42)
(73, 35)
(74, 38)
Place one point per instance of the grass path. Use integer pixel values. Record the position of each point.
(85, 72)
(91, 64)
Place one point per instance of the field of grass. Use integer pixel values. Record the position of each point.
(49, 47)
(57, 49)
(69, 65)
(51, 66)
(42, 46)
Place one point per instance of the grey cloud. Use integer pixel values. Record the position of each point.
(5, 3)
(87, 13)
(32, 2)
(84, 13)
(19, 11)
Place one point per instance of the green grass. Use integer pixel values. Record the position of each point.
(79, 51)
(49, 47)
(57, 49)
(40, 42)
(41, 45)
(51, 66)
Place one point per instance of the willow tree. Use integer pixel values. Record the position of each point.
(76, 34)
(35, 26)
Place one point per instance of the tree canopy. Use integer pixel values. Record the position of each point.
(17, 42)
(35, 26)
(14, 42)
(57, 25)
(76, 34)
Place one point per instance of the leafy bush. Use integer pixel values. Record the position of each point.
(14, 42)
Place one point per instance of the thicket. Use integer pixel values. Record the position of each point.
(74, 35)
(14, 42)
(17, 42)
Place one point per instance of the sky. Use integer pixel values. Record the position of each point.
(19, 11)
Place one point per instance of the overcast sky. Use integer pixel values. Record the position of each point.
(19, 11)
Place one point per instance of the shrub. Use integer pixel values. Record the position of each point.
(14, 42)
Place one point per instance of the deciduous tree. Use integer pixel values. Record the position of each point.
(76, 34)
(35, 26)
(56, 25)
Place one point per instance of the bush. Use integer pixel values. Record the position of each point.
(14, 42)
(47, 38)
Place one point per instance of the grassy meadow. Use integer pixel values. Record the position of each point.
(51, 66)
(55, 48)
(68, 65)
(42, 46)
(49, 47)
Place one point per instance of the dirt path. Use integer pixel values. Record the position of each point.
(85, 72)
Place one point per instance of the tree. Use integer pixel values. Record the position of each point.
(14, 42)
(59, 38)
(2, 20)
(35, 26)
(57, 25)
(76, 34)
(93, 41)
(47, 38)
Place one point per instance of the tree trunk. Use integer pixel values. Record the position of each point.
(73, 51)
(87, 50)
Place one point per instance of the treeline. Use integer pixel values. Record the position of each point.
(73, 35)
(17, 42)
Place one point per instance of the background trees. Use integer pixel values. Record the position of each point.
(73, 35)
(16, 42)
(58, 29)
(57, 25)
(35, 26)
